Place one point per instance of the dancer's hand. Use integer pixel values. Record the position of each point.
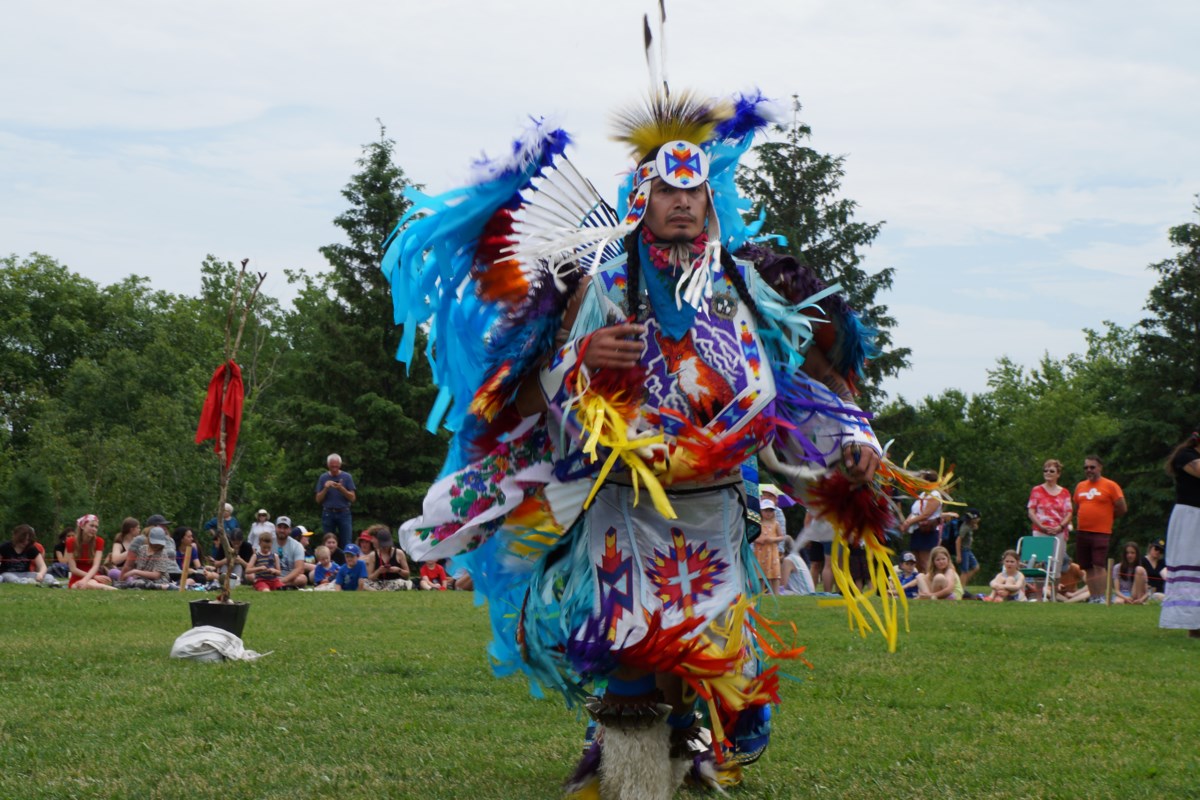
(860, 462)
(615, 347)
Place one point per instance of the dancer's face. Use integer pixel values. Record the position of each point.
(676, 215)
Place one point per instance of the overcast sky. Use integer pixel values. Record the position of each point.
(1027, 157)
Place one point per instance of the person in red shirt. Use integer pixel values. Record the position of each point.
(85, 551)
(1099, 501)
(433, 576)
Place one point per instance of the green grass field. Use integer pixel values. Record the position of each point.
(389, 695)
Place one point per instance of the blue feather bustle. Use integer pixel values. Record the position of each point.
(429, 259)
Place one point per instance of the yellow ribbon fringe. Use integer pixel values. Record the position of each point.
(860, 606)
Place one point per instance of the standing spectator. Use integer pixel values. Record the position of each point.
(262, 522)
(1181, 605)
(335, 493)
(1099, 501)
(85, 553)
(1049, 507)
(766, 545)
(814, 554)
(433, 576)
(149, 563)
(1129, 577)
(964, 545)
(924, 522)
(115, 560)
(1155, 568)
(227, 515)
(291, 561)
(22, 562)
(387, 569)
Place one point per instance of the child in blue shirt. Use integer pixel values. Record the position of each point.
(324, 575)
(908, 574)
(353, 571)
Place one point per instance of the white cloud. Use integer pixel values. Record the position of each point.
(1028, 157)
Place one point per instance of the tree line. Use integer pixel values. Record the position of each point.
(101, 386)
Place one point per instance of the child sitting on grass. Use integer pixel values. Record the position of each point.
(433, 576)
(1009, 584)
(353, 571)
(264, 568)
(907, 575)
(325, 572)
(1129, 577)
(941, 581)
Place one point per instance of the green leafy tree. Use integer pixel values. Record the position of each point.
(798, 187)
(346, 393)
(1157, 398)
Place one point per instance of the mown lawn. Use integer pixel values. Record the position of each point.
(390, 695)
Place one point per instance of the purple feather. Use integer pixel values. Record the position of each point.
(751, 113)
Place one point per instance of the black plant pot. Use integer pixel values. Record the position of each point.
(226, 616)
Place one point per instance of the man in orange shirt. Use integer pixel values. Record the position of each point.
(1098, 501)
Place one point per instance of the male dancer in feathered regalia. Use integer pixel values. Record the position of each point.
(611, 376)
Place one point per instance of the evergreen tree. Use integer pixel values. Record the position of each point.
(798, 188)
(345, 392)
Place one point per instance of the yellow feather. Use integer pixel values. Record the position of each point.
(683, 115)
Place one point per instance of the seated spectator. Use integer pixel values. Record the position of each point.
(353, 573)
(940, 582)
(263, 568)
(325, 572)
(243, 552)
(85, 554)
(1129, 578)
(330, 540)
(1154, 562)
(795, 575)
(186, 547)
(283, 527)
(229, 519)
(115, 561)
(433, 576)
(154, 520)
(907, 575)
(460, 579)
(292, 560)
(366, 544)
(1009, 583)
(22, 562)
(387, 567)
(1072, 585)
(148, 565)
(59, 568)
(262, 522)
